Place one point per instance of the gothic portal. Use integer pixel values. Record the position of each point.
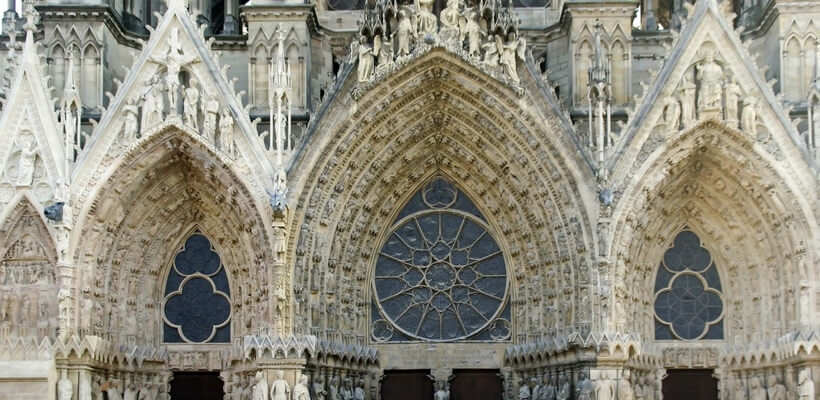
(396, 199)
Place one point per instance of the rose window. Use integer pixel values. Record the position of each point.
(688, 302)
(197, 306)
(440, 275)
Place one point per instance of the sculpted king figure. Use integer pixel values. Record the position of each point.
(280, 389)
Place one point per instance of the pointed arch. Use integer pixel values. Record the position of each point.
(152, 197)
(792, 61)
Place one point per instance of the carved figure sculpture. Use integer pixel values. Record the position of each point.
(358, 392)
(280, 389)
(112, 389)
(756, 392)
(319, 388)
(131, 125)
(732, 95)
(547, 390)
(84, 386)
(28, 154)
(775, 391)
(426, 22)
(130, 392)
(639, 389)
(152, 105)
(491, 52)
(606, 389)
(536, 388)
(300, 390)
(564, 391)
(586, 388)
(672, 114)
(710, 75)
(365, 60)
(649, 387)
(146, 392)
(472, 32)
(748, 117)
(174, 60)
(237, 393)
(450, 15)
(65, 388)
(625, 387)
(260, 389)
(687, 100)
(226, 132)
(507, 52)
(347, 389)
(404, 32)
(805, 386)
(523, 390)
(333, 389)
(384, 51)
(209, 124)
(442, 392)
(190, 105)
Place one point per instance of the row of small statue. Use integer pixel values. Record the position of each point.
(460, 26)
(153, 104)
(281, 390)
(773, 390)
(712, 89)
(604, 388)
(93, 390)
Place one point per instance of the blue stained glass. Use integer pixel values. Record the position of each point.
(687, 300)
(440, 274)
(197, 304)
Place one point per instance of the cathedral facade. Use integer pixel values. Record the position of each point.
(394, 199)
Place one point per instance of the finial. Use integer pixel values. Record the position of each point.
(30, 15)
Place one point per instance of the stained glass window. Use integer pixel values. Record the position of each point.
(197, 307)
(688, 302)
(440, 275)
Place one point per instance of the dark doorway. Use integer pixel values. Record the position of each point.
(471, 384)
(688, 384)
(196, 386)
(407, 385)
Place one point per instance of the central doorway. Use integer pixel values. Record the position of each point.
(197, 386)
(471, 384)
(687, 384)
(407, 385)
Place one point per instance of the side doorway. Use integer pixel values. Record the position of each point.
(197, 386)
(471, 384)
(407, 385)
(688, 384)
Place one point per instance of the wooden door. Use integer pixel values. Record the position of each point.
(688, 384)
(197, 386)
(472, 384)
(407, 385)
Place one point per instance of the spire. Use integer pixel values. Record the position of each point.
(599, 103)
(71, 113)
(815, 81)
(279, 100)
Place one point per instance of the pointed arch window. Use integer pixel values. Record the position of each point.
(440, 274)
(688, 294)
(197, 307)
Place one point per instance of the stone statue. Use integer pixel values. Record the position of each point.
(146, 392)
(732, 95)
(491, 52)
(28, 155)
(112, 389)
(710, 76)
(152, 106)
(426, 22)
(280, 389)
(84, 383)
(319, 387)
(625, 387)
(359, 394)
(130, 392)
(300, 389)
(333, 389)
(507, 52)
(237, 392)
(247, 393)
(442, 391)
(347, 389)
(536, 388)
(472, 32)
(687, 100)
(649, 387)
(748, 117)
(586, 389)
(606, 389)
(190, 105)
(564, 390)
(451, 15)
(672, 114)
(756, 392)
(211, 108)
(384, 51)
(174, 60)
(405, 32)
(547, 390)
(523, 390)
(260, 389)
(226, 132)
(639, 389)
(65, 389)
(805, 386)
(131, 125)
(740, 390)
(365, 60)
(775, 391)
